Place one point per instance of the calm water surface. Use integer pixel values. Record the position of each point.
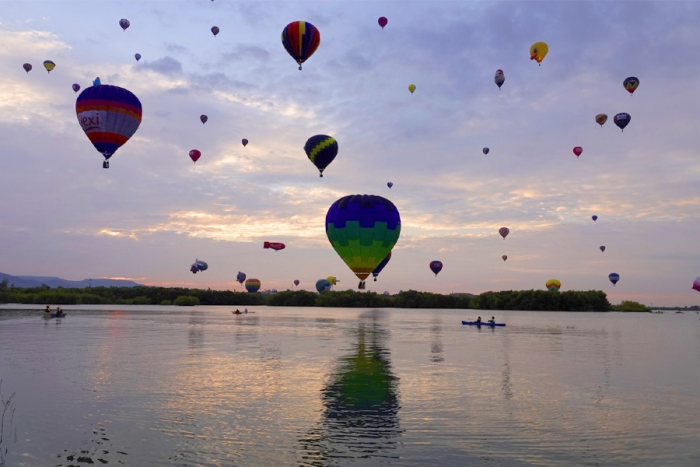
(161, 386)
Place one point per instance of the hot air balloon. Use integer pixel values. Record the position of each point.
(244, 142)
(300, 39)
(277, 246)
(622, 120)
(412, 88)
(631, 84)
(322, 285)
(436, 267)
(76, 87)
(382, 21)
(195, 154)
(109, 116)
(27, 67)
(252, 285)
(553, 285)
(198, 265)
(363, 229)
(600, 119)
(602, 248)
(240, 277)
(696, 284)
(538, 51)
(499, 78)
(96, 81)
(296, 282)
(504, 257)
(578, 150)
(614, 277)
(203, 119)
(504, 231)
(321, 150)
(389, 184)
(485, 150)
(595, 218)
(380, 266)
(49, 65)
(124, 23)
(137, 57)
(333, 280)
(215, 30)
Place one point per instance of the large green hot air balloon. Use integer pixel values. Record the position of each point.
(363, 229)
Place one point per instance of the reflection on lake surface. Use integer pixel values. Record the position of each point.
(167, 386)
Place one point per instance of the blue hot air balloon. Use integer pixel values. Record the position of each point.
(198, 265)
(381, 265)
(614, 277)
(322, 285)
(240, 277)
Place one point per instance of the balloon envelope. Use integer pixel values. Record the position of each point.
(600, 119)
(553, 285)
(412, 88)
(595, 218)
(124, 23)
(602, 248)
(109, 116)
(322, 285)
(215, 30)
(504, 257)
(49, 65)
(240, 277)
(499, 78)
(195, 154)
(27, 67)
(485, 150)
(614, 277)
(321, 150)
(504, 231)
(622, 120)
(436, 267)
(252, 285)
(296, 281)
(578, 150)
(382, 21)
(389, 184)
(203, 119)
(538, 51)
(363, 229)
(631, 84)
(300, 39)
(244, 142)
(137, 57)
(76, 87)
(696, 284)
(381, 265)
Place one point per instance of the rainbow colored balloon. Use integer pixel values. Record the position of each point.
(109, 116)
(300, 39)
(363, 229)
(553, 285)
(252, 285)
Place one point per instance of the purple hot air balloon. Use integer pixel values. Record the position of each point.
(602, 248)
(696, 284)
(76, 87)
(381, 265)
(27, 67)
(124, 23)
(137, 57)
(203, 118)
(244, 142)
(382, 21)
(215, 30)
(595, 218)
(296, 281)
(436, 267)
(389, 184)
(504, 231)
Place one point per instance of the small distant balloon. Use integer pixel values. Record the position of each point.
(333, 280)
(321, 150)
(412, 88)
(538, 51)
(277, 246)
(322, 285)
(602, 248)
(137, 57)
(578, 150)
(553, 285)
(622, 120)
(49, 65)
(504, 231)
(499, 78)
(436, 267)
(198, 265)
(252, 285)
(485, 150)
(203, 119)
(27, 67)
(614, 277)
(389, 184)
(215, 30)
(505, 257)
(195, 154)
(696, 284)
(124, 23)
(97, 82)
(600, 119)
(631, 84)
(240, 277)
(382, 21)
(594, 217)
(76, 87)
(244, 142)
(296, 281)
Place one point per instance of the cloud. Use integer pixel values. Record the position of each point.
(166, 66)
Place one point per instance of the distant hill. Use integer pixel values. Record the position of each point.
(26, 282)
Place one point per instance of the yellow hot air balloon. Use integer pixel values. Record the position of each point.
(553, 285)
(538, 51)
(411, 87)
(333, 280)
(49, 65)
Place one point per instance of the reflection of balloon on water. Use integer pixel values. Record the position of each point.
(380, 266)
(49, 65)
(696, 284)
(124, 23)
(504, 231)
(499, 78)
(321, 150)
(614, 277)
(382, 21)
(109, 116)
(602, 248)
(252, 285)
(538, 51)
(504, 257)
(296, 281)
(485, 150)
(363, 229)
(322, 285)
(27, 67)
(244, 142)
(300, 39)
(578, 150)
(76, 87)
(137, 57)
(600, 119)
(195, 154)
(215, 30)
(631, 84)
(594, 217)
(198, 265)
(389, 184)
(240, 277)
(436, 267)
(203, 119)
(412, 88)
(553, 285)
(622, 120)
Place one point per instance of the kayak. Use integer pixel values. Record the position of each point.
(483, 323)
(54, 315)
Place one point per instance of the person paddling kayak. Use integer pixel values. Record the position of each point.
(492, 320)
(478, 320)
(48, 309)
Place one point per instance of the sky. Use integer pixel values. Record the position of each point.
(153, 212)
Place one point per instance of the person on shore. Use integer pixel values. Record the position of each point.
(492, 320)
(478, 320)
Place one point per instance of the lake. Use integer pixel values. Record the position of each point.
(173, 386)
